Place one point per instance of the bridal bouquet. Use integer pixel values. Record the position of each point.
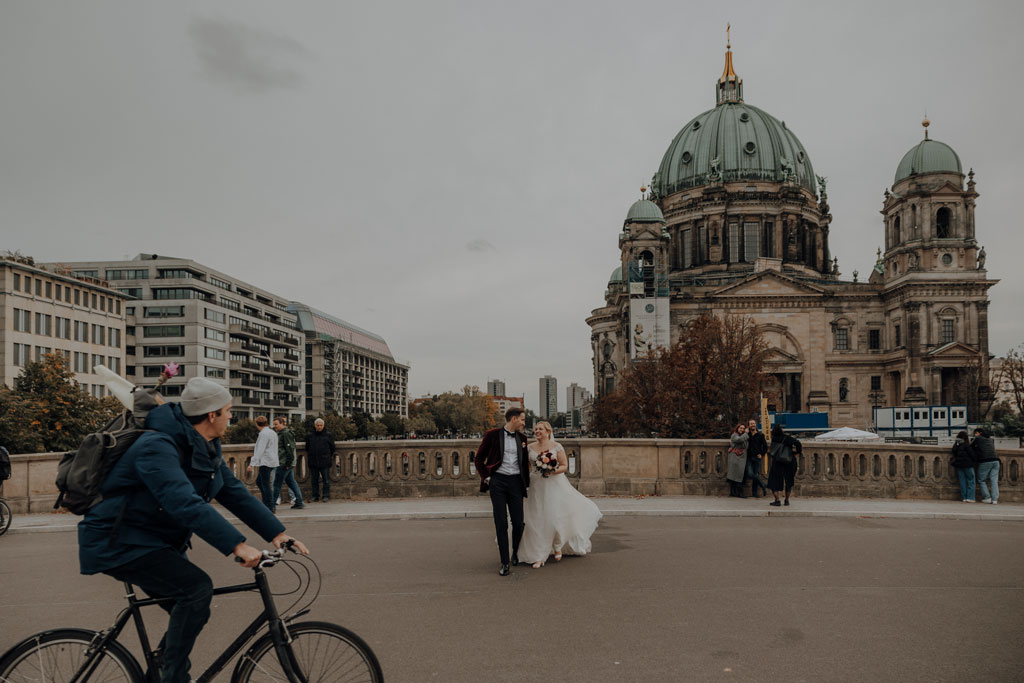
(545, 463)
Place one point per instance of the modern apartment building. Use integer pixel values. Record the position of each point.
(576, 398)
(503, 403)
(495, 387)
(210, 323)
(548, 397)
(49, 311)
(348, 369)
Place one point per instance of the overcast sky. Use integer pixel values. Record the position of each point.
(454, 175)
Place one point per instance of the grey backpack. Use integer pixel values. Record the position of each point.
(81, 473)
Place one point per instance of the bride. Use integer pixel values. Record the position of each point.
(558, 517)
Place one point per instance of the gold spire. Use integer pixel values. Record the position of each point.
(729, 74)
(730, 86)
(926, 123)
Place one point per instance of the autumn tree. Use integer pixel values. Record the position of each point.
(48, 411)
(465, 412)
(701, 386)
(1011, 378)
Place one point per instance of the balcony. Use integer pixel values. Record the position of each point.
(272, 335)
(291, 373)
(291, 402)
(243, 347)
(288, 356)
(290, 388)
(272, 402)
(244, 329)
(250, 401)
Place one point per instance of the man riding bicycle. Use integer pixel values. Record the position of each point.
(156, 496)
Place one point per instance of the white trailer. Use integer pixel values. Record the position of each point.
(920, 421)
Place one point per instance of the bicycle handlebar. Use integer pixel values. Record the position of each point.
(272, 557)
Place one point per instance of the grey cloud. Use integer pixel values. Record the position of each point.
(480, 246)
(246, 58)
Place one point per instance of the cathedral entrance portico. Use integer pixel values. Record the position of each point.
(783, 389)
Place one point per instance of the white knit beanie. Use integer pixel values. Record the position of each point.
(203, 396)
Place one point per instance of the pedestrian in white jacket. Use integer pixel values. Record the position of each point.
(264, 458)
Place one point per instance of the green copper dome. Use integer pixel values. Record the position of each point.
(644, 211)
(928, 156)
(733, 142)
(616, 277)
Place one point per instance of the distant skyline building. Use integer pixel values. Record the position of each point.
(575, 396)
(49, 311)
(548, 397)
(210, 323)
(503, 403)
(496, 387)
(348, 369)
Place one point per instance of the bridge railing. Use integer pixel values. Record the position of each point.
(432, 468)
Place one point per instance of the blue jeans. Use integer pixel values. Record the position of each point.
(265, 483)
(989, 472)
(966, 477)
(285, 475)
(167, 574)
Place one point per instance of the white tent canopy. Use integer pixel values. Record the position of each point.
(847, 434)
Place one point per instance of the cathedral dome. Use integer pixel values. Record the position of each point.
(749, 144)
(928, 156)
(731, 143)
(644, 211)
(616, 277)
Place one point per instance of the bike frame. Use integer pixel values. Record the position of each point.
(270, 616)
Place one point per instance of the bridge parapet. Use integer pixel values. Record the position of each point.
(629, 467)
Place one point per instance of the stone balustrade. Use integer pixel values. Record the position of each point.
(428, 468)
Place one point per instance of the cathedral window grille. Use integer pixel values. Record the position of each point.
(687, 249)
(876, 382)
(896, 230)
(702, 245)
(842, 339)
(751, 242)
(874, 339)
(897, 342)
(948, 330)
(942, 221)
(768, 241)
(734, 242)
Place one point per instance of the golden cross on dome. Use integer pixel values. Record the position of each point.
(728, 40)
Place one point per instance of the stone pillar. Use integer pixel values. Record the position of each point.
(982, 315)
(915, 394)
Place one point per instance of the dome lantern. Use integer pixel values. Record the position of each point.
(730, 86)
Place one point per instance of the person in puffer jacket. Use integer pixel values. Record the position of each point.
(962, 461)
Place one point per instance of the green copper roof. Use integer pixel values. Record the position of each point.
(928, 156)
(644, 211)
(748, 144)
(616, 277)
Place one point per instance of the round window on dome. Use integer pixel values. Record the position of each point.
(696, 125)
(800, 156)
(687, 157)
(947, 259)
(744, 117)
(750, 148)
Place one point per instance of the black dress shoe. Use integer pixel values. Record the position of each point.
(298, 506)
(787, 502)
(775, 504)
(515, 560)
(503, 571)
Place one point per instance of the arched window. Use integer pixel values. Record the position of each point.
(947, 319)
(942, 221)
(842, 334)
(896, 230)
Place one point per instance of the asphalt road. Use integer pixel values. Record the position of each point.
(660, 599)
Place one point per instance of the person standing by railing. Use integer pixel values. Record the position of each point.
(784, 450)
(757, 447)
(264, 459)
(963, 461)
(286, 464)
(319, 457)
(736, 460)
(988, 466)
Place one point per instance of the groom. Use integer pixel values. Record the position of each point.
(502, 463)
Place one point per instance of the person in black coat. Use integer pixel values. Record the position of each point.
(757, 447)
(320, 457)
(963, 460)
(784, 451)
(988, 466)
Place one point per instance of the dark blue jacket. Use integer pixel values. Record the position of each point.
(160, 490)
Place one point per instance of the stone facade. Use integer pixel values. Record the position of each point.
(737, 241)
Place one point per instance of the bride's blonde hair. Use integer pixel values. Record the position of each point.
(545, 424)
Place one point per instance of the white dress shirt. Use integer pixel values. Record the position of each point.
(510, 456)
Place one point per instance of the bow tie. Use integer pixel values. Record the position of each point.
(508, 433)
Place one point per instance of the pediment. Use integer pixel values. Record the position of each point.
(952, 349)
(769, 283)
(777, 355)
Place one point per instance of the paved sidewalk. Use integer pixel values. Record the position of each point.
(655, 506)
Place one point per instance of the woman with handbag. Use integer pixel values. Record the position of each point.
(736, 461)
(784, 450)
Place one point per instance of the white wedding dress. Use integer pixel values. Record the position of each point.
(558, 517)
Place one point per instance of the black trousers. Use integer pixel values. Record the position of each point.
(317, 474)
(168, 574)
(507, 493)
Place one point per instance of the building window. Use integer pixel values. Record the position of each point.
(942, 221)
(17, 282)
(164, 331)
(219, 283)
(22, 320)
(734, 242)
(21, 354)
(39, 287)
(876, 382)
(163, 311)
(216, 354)
(160, 351)
(687, 249)
(948, 330)
(215, 372)
(133, 292)
(64, 328)
(897, 341)
(78, 297)
(114, 337)
(751, 242)
(213, 334)
(99, 333)
(180, 293)
(114, 363)
(230, 305)
(49, 290)
(215, 316)
(842, 339)
(874, 339)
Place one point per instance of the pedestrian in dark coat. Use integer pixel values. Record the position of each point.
(320, 457)
(784, 451)
(757, 447)
(988, 466)
(963, 462)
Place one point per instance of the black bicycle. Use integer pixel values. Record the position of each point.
(305, 652)
(5, 516)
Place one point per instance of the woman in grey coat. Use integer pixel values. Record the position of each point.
(736, 461)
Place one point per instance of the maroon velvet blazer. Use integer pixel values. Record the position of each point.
(489, 455)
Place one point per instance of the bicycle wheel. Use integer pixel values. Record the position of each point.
(5, 516)
(324, 653)
(55, 656)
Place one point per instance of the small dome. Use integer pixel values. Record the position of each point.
(644, 211)
(928, 156)
(616, 277)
